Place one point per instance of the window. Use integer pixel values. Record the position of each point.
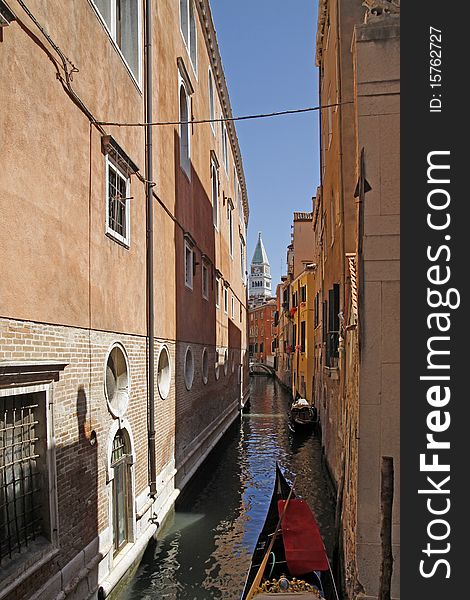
(123, 22)
(225, 361)
(163, 372)
(117, 381)
(330, 121)
(233, 307)
(316, 309)
(303, 293)
(230, 227)
(223, 130)
(205, 366)
(188, 265)
(302, 336)
(215, 195)
(189, 29)
(332, 341)
(205, 281)
(188, 368)
(25, 478)
(217, 292)
(184, 20)
(225, 299)
(117, 203)
(184, 131)
(122, 489)
(211, 101)
(242, 258)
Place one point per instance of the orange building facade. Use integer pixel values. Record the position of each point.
(262, 332)
(87, 287)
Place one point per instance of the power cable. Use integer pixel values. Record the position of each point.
(225, 119)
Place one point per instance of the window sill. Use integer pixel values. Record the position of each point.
(125, 243)
(22, 566)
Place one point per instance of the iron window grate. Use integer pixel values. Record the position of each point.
(117, 202)
(20, 477)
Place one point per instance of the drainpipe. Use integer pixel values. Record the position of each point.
(149, 198)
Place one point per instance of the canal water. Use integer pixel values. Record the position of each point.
(204, 553)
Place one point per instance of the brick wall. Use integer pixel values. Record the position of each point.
(80, 407)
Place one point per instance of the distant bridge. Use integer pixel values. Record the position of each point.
(261, 369)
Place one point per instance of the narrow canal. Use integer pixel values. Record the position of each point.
(204, 553)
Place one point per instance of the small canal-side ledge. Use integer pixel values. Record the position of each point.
(155, 514)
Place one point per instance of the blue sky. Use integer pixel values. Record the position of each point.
(268, 54)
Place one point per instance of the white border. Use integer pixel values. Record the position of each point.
(164, 347)
(125, 241)
(117, 414)
(112, 35)
(187, 383)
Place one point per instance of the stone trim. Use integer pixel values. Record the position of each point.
(204, 11)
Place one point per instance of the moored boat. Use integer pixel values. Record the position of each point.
(302, 415)
(289, 560)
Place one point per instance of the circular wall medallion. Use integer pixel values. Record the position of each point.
(117, 379)
(188, 368)
(205, 366)
(164, 372)
(225, 361)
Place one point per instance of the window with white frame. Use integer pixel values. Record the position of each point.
(233, 307)
(188, 265)
(205, 281)
(27, 471)
(185, 153)
(189, 29)
(117, 203)
(217, 292)
(225, 299)
(223, 130)
(242, 258)
(211, 101)
(215, 194)
(123, 22)
(230, 226)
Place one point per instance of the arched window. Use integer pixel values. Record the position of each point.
(122, 489)
(184, 130)
(211, 101)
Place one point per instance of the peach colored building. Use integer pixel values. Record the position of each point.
(113, 236)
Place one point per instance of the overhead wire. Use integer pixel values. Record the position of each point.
(225, 119)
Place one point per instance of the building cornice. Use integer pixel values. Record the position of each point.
(321, 24)
(205, 15)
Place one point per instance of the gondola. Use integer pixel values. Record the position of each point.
(289, 560)
(302, 416)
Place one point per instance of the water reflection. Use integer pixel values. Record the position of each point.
(204, 553)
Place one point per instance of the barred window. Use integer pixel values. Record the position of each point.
(24, 501)
(117, 195)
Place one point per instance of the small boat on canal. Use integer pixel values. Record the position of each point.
(302, 416)
(289, 560)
